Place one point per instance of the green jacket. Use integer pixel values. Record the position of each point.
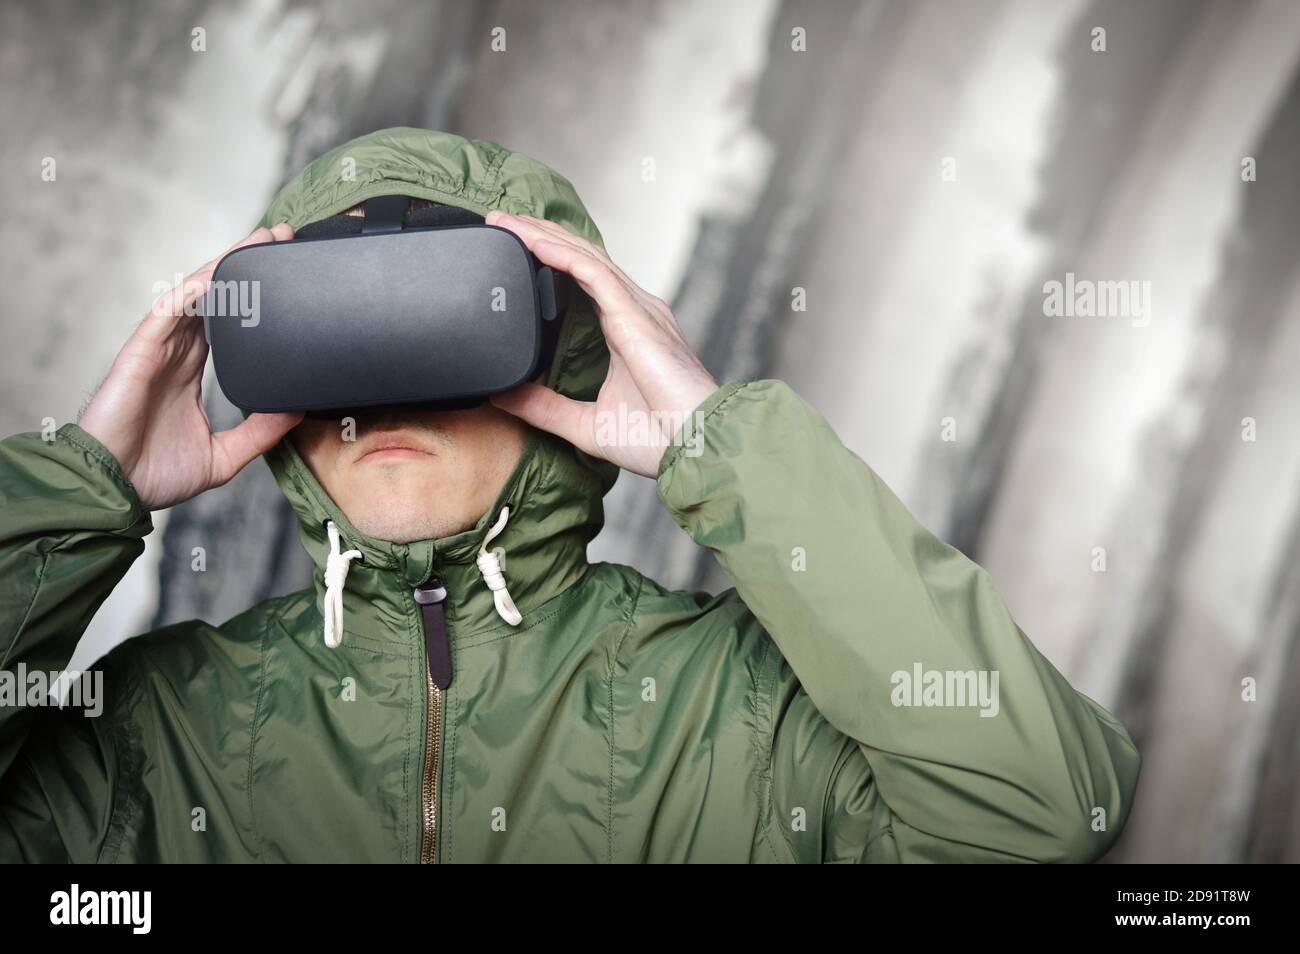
(618, 721)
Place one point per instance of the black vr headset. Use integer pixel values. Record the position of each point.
(427, 306)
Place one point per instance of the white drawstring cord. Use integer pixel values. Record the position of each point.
(490, 567)
(337, 563)
(336, 573)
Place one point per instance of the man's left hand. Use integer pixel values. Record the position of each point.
(655, 380)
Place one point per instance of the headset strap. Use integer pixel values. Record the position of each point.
(384, 213)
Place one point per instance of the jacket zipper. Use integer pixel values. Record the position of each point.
(431, 597)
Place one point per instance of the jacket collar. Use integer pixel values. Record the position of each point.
(555, 510)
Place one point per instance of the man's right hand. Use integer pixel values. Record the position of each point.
(149, 410)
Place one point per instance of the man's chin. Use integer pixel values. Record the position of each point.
(405, 509)
(396, 528)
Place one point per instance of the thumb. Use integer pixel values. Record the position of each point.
(233, 449)
(548, 411)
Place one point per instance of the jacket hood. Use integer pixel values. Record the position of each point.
(554, 493)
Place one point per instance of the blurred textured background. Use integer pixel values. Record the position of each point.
(921, 169)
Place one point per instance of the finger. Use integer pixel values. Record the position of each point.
(546, 229)
(232, 450)
(554, 413)
(282, 231)
(616, 304)
(554, 230)
(629, 327)
(533, 231)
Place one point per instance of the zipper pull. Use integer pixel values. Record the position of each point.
(437, 651)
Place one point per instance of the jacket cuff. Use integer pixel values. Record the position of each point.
(733, 421)
(688, 436)
(75, 480)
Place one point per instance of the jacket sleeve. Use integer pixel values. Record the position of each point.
(860, 601)
(70, 526)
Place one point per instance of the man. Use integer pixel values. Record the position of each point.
(460, 684)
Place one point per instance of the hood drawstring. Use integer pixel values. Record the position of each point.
(336, 574)
(490, 567)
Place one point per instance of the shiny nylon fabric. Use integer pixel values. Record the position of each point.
(618, 722)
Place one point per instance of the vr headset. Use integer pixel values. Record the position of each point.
(429, 306)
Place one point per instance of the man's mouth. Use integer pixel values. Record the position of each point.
(392, 446)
